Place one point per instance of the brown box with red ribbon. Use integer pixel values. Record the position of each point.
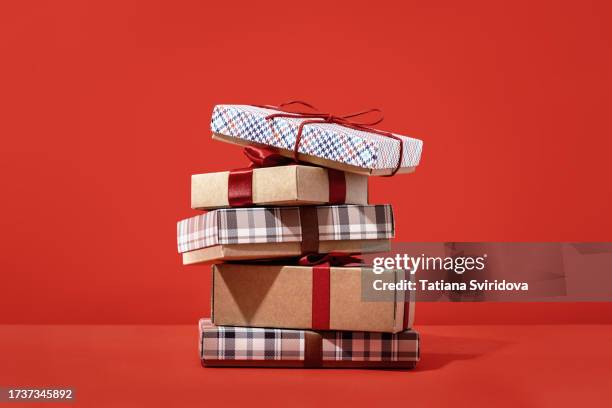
(280, 185)
(319, 297)
(279, 232)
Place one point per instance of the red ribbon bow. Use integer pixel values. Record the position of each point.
(261, 157)
(348, 121)
(331, 259)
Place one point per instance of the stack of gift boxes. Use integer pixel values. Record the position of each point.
(278, 234)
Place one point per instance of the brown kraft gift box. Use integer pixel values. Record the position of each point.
(281, 185)
(295, 297)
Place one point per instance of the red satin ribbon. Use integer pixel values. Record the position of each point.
(309, 224)
(321, 265)
(240, 188)
(330, 259)
(321, 285)
(261, 157)
(348, 121)
(320, 297)
(240, 181)
(337, 186)
(406, 304)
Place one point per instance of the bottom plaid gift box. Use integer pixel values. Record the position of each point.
(258, 347)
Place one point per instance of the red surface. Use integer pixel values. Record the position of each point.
(104, 114)
(462, 366)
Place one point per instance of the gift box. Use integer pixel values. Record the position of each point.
(318, 297)
(281, 185)
(325, 144)
(276, 232)
(252, 347)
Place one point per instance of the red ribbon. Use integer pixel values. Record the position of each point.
(348, 121)
(321, 285)
(321, 265)
(337, 186)
(240, 181)
(240, 188)
(406, 304)
(261, 157)
(330, 259)
(320, 297)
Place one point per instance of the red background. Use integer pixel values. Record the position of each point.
(105, 109)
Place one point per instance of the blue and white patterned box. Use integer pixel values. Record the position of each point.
(369, 152)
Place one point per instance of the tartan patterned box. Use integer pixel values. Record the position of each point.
(324, 144)
(276, 232)
(252, 347)
(281, 185)
(319, 297)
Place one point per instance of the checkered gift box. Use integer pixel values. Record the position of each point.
(247, 343)
(243, 345)
(282, 224)
(369, 346)
(323, 140)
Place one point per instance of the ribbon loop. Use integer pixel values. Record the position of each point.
(362, 113)
(298, 102)
(261, 157)
(330, 259)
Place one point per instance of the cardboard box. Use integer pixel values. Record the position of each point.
(282, 185)
(280, 232)
(323, 144)
(258, 347)
(305, 297)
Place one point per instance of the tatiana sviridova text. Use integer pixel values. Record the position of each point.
(441, 285)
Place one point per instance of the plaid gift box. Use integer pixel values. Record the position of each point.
(247, 346)
(260, 233)
(325, 144)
